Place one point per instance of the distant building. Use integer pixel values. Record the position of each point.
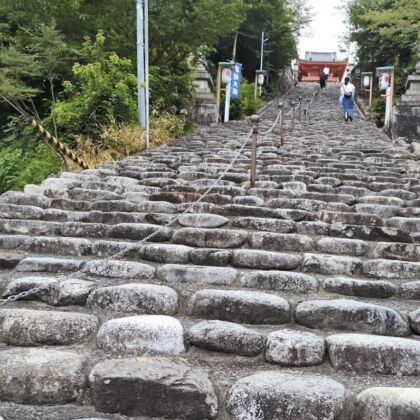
(310, 68)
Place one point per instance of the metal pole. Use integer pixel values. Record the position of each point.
(254, 121)
(146, 65)
(281, 127)
(293, 115)
(371, 91)
(262, 56)
(307, 108)
(141, 80)
(391, 99)
(235, 43)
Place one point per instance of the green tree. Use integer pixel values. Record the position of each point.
(281, 20)
(386, 33)
(103, 93)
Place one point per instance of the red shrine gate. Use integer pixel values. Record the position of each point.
(314, 63)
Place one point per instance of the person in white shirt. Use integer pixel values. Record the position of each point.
(347, 93)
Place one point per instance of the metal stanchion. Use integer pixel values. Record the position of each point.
(293, 103)
(254, 122)
(300, 108)
(281, 122)
(307, 107)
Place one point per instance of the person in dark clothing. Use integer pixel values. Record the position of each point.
(323, 80)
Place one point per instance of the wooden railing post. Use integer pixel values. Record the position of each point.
(254, 121)
(281, 123)
(293, 103)
(300, 108)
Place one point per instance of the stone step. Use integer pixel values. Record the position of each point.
(24, 327)
(374, 354)
(350, 315)
(233, 312)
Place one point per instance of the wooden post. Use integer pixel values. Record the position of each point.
(254, 121)
(281, 127)
(300, 108)
(293, 115)
(307, 108)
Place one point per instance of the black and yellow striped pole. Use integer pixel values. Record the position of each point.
(60, 146)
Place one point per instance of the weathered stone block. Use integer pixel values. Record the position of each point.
(240, 306)
(141, 298)
(280, 280)
(265, 260)
(42, 376)
(202, 220)
(184, 274)
(48, 264)
(211, 238)
(119, 269)
(294, 348)
(355, 287)
(331, 264)
(366, 354)
(143, 334)
(25, 327)
(387, 404)
(167, 253)
(135, 387)
(351, 315)
(226, 337)
(285, 396)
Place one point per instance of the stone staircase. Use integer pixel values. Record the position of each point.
(295, 300)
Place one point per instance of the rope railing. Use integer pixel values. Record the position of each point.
(314, 95)
(190, 208)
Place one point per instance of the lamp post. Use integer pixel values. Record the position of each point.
(263, 41)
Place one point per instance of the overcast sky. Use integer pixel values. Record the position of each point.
(326, 29)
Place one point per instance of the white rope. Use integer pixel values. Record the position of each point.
(273, 126)
(191, 206)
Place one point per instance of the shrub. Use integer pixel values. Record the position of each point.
(120, 141)
(378, 111)
(246, 105)
(18, 167)
(104, 93)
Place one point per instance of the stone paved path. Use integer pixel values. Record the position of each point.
(296, 300)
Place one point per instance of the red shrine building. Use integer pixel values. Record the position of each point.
(314, 63)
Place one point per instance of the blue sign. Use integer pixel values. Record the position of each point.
(235, 82)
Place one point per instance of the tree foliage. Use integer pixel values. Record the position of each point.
(73, 64)
(386, 33)
(281, 20)
(103, 92)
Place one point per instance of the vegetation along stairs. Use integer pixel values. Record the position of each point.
(297, 299)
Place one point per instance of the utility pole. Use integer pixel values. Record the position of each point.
(146, 66)
(262, 50)
(142, 66)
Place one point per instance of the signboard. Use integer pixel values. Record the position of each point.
(235, 84)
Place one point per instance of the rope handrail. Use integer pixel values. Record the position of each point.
(189, 208)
